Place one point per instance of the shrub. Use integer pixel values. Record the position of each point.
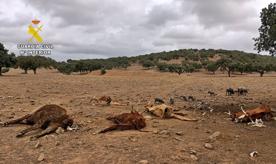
(66, 68)
(103, 71)
(5, 70)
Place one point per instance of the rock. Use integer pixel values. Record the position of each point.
(143, 162)
(32, 102)
(194, 157)
(155, 121)
(148, 117)
(155, 131)
(41, 157)
(215, 135)
(37, 145)
(174, 157)
(208, 146)
(57, 143)
(164, 132)
(208, 131)
(253, 154)
(193, 152)
(179, 133)
(73, 127)
(133, 139)
(60, 130)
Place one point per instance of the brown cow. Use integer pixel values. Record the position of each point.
(261, 112)
(48, 118)
(126, 121)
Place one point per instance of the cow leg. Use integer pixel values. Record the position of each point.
(113, 127)
(16, 121)
(117, 127)
(50, 129)
(125, 127)
(34, 127)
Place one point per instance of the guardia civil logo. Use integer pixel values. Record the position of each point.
(35, 43)
(34, 29)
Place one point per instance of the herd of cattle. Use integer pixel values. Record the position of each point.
(241, 91)
(51, 117)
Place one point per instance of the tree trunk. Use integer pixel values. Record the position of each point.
(0, 71)
(229, 73)
(26, 71)
(261, 74)
(34, 71)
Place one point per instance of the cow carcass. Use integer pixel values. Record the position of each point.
(126, 121)
(165, 111)
(262, 112)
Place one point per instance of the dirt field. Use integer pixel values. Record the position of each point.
(168, 141)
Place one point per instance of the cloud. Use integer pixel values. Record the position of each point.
(108, 28)
(215, 12)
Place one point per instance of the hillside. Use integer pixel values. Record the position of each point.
(180, 61)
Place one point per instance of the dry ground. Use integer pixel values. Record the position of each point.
(170, 141)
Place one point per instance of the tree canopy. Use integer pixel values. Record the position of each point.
(267, 32)
(6, 60)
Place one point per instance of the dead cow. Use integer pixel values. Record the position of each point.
(165, 111)
(126, 121)
(262, 112)
(48, 117)
(104, 99)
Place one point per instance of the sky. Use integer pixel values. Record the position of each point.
(81, 29)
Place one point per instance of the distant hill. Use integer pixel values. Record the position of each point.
(178, 61)
(203, 55)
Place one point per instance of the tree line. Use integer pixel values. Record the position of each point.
(192, 60)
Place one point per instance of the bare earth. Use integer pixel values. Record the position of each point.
(168, 141)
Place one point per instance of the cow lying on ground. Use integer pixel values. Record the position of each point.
(126, 121)
(262, 112)
(48, 117)
(165, 111)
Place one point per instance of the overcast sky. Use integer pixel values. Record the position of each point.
(108, 28)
